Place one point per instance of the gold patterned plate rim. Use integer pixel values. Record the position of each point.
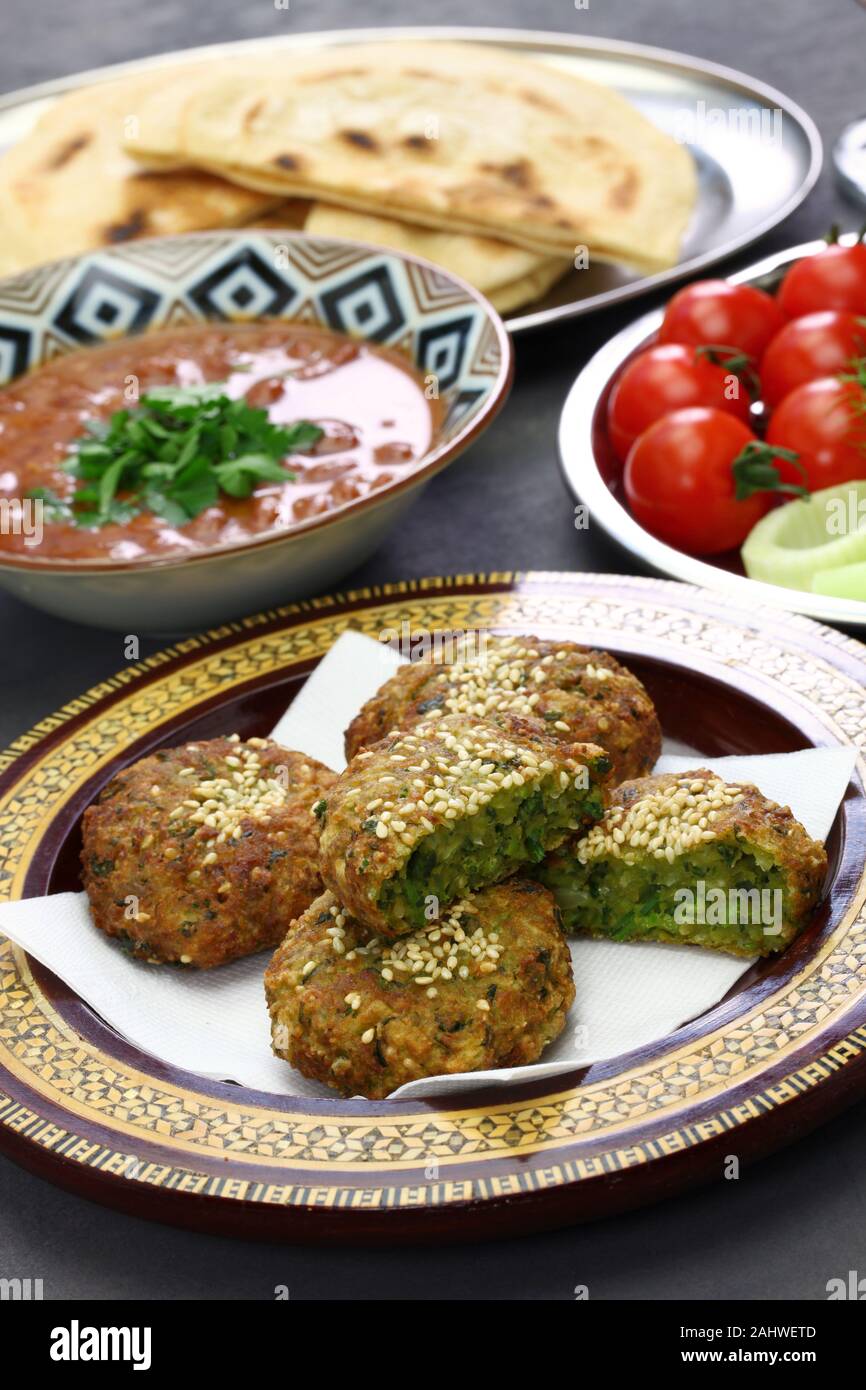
(783, 1051)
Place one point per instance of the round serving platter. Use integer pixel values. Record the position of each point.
(85, 1109)
(593, 473)
(758, 154)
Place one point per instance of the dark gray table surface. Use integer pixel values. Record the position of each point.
(790, 1224)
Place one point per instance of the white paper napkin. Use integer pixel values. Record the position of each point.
(215, 1023)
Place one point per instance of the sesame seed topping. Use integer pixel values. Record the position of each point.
(437, 952)
(220, 803)
(666, 821)
(508, 676)
(469, 763)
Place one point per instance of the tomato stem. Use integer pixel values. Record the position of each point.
(733, 360)
(857, 374)
(755, 470)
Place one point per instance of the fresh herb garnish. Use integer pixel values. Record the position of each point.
(173, 454)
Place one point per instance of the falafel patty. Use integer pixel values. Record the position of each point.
(488, 985)
(688, 858)
(581, 694)
(448, 807)
(201, 854)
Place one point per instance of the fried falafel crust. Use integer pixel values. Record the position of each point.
(449, 806)
(201, 854)
(581, 694)
(691, 825)
(493, 988)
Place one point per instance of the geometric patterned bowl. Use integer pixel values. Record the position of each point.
(447, 328)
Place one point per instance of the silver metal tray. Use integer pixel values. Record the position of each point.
(758, 154)
(578, 439)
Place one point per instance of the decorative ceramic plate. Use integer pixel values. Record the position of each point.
(594, 474)
(786, 1049)
(757, 153)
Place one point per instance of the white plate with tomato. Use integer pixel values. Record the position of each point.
(722, 438)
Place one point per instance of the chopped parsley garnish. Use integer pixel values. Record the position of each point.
(173, 454)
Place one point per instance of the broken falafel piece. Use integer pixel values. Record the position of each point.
(581, 694)
(201, 854)
(487, 985)
(448, 807)
(688, 858)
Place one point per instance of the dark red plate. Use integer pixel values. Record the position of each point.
(783, 1052)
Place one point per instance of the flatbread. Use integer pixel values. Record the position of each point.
(289, 216)
(508, 275)
(68, 186)
(450, 136)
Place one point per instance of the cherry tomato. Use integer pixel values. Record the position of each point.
(669, 376)
(810, 347)
(679, 481)
(834, 278)
(824, 421)
(712, 312)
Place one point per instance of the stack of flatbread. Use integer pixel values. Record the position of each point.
(496, 167)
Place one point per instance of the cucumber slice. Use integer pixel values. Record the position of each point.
(800, 539)
(848, 581)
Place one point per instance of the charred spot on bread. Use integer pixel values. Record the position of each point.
(624, 194)
(360, 139)
(251, 115)
(517, 172)
(68, 150)
(135, 225)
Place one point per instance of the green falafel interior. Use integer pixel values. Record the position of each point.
(690, 859)
(449, 807)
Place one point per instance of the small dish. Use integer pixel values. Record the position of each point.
(594, 474)
(386, 298)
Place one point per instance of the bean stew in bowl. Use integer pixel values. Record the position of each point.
(195, 427)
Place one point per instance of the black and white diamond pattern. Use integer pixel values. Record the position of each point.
(244, 286)
(104, 304)
(14, 351)
(442, 350)
(367, 293)
(460, 406)
(367, 305)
